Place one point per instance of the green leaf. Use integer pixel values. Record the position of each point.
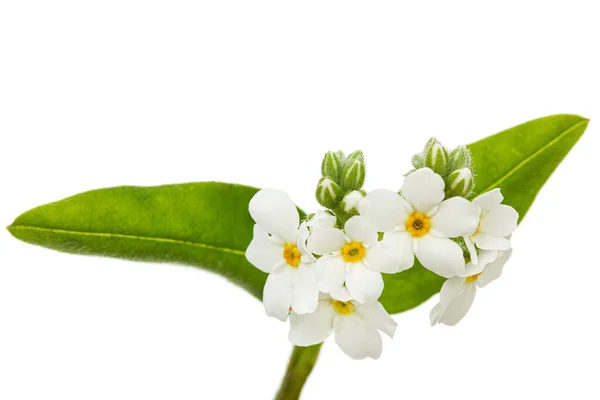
(519, 161)
(208, 225)
(202, 224)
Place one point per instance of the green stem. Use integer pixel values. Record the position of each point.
(301, 363)
(342, 215)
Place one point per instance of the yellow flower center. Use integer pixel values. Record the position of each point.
(353, 251)
(418, 224)
(343, 307)
(291, 254)
(472, 278)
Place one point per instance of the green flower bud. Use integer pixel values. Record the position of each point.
(328, 193)
(460, 158)
(331, 167)
(353, 174)
(417, 161)
(356, 155)
(459, 183)
(350, 202)
(436, 157)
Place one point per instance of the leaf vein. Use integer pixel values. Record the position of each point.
(125, 236)
(534, 155)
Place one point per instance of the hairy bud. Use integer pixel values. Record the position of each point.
(459, 183)
(332, 165)
(328, 193)
(355, 155)
(460, 158)
(417, 161)
(353, 173)
(436, 157)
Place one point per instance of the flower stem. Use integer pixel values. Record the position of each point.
(342, 215)
(301, 363)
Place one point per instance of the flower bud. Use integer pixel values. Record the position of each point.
(328, 193)
(417, 161)
(436, 157)
(460, 158)
(331, 167)
(459, 183)
(355, 155)
(353, 174)
(350, 202)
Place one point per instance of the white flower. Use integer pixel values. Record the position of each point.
(496, 223)
(279, 249)
(457, 293)
(420, 223)
(355, 325)
(321, 220)
(351, 200)
(352, 261)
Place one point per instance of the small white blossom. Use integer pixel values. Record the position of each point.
(356, 326)
(457, 293)
(419, 223)
(279, 249)
(351, 200)
(496, 223)
(352, 261)
(321, 220)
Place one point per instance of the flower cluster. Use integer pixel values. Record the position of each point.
(325, 269)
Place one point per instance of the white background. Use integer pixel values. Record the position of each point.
(107, 93)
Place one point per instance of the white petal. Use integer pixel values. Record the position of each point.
(436, 314)
(310, 329)
(451, 290)
(489, 242)
(324, 297)
(262, 252)
(326, 241)
(278, 292)
(489, 200)
(321, 220)
(356, 339)
(351, 200)
(373, 314)
(385, 209)
(456, 217)
(360, 230)
(440, 255)
(276, 213)
(500, 221)
(493, 270)
(301, 238)
(472, 250)
(401, 245)
(382, 259)
(306, 292)
(460, 306)
(485, 257)
(331, 273)
(488, 256)
(364, 284)
(341, 294)
(423, 189)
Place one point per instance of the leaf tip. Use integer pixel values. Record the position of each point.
(584, 122)
(11, 229)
